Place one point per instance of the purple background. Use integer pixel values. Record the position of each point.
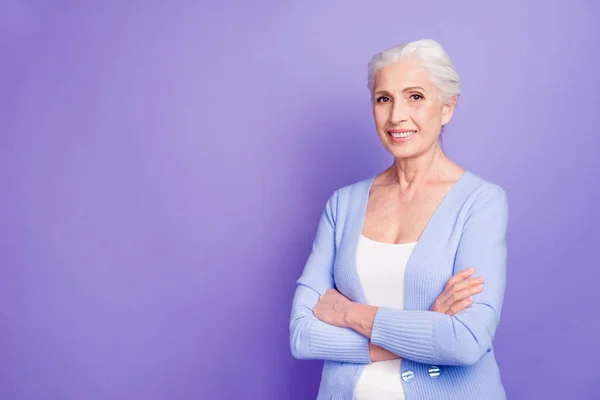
(163, 166)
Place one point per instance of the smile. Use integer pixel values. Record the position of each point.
(401, 136)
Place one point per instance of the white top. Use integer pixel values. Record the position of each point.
(381, 268)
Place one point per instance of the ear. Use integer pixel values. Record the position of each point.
(448, 109)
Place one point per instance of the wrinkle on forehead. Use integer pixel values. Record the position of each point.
(403, 74)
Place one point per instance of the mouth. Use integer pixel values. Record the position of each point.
(401, 135)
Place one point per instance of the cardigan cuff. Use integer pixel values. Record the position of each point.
(409, 334)
(339, 344)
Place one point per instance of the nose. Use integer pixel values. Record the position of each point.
(398, 113)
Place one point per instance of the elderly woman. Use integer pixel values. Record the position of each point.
(387, 296)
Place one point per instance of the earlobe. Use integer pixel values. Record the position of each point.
(446, 114)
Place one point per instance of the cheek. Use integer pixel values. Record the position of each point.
(428, 115)
(380, 117)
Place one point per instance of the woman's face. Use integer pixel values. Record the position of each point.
(406, 104)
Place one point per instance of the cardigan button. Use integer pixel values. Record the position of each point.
(434, 371)
(408, 376)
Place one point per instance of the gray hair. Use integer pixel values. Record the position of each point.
(432, 57)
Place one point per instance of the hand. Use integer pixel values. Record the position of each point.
(457, 293)
(332, 308)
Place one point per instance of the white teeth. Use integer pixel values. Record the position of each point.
(403, 134)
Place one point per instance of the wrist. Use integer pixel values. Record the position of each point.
(350, 314)
(359, 317)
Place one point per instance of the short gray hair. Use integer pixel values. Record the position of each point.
(432, 57)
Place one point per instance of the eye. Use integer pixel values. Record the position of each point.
(383, 99)
(416, 97)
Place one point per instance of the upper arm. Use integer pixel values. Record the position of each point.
(483, 245)
(318, 270)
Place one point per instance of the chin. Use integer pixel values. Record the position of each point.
(404, 154)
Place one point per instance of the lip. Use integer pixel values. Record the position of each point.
(400, 140)
(401, 130)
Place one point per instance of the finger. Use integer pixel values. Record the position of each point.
(460, 277)
(458, 296)
(440, 303)
(458, 282)
(438, 306)
(463, 294)
(455, 284)
(459, 306)
(467, 283)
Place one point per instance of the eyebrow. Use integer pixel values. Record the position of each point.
(403, 90)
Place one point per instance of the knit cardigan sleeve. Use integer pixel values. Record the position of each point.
(463, 338)
(311, 338)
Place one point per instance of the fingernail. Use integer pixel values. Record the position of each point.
(479, 286)
(481, 279)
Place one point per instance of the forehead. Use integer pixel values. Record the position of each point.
(402, 74)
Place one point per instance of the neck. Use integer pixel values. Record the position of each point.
(416, 171)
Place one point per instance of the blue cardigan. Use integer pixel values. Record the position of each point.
(468, 229)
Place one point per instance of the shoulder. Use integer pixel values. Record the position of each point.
(358, 188)
(344, 199)
(354, 191)
(484, 189)
(482, 193)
